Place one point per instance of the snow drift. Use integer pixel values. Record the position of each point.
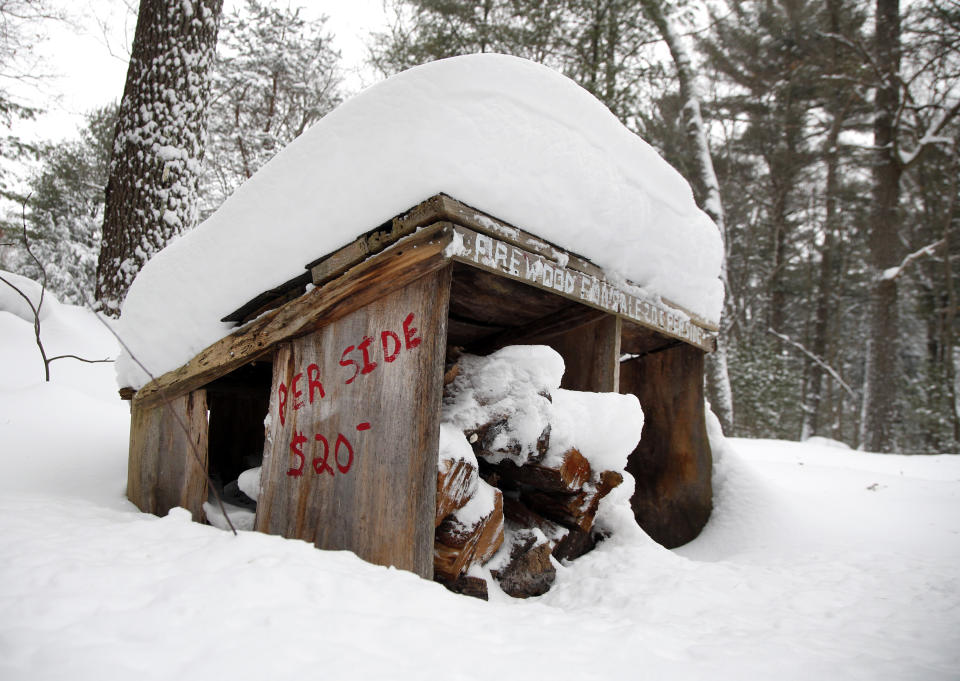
(505, 135)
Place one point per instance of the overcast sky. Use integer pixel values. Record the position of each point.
(85, 60)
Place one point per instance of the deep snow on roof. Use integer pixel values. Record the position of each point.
(505, 135)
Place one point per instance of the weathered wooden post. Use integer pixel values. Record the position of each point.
(168, 455)
(672, 465)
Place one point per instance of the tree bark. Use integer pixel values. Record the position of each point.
(878, 413)
(814, 388)
(837, 108)
(151, 193)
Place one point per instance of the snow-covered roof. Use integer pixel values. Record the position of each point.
(505, 135)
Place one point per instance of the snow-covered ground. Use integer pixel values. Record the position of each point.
(819, 563)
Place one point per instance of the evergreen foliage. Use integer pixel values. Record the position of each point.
(21, 23)
(276, 74)
(64, 210)
(604, 45)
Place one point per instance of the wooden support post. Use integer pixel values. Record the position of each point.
(672, 464)
(350, 460)
(163, 471)
(591, 355)
(587, 339)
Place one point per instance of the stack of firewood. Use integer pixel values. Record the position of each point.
(509, 505)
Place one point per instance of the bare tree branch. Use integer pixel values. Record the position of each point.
(83, 359)
(893, 273)
(826, 367)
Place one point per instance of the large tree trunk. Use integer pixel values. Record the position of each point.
(719, 391)
(837, 108)
(152, 190)
(813, 392)
(878, 413)
(784, 179)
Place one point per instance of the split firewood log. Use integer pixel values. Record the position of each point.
(567, 473)
(466, 585)
(526, 569)
(450, 374)
(451, 367)
(457, 481)
(470, 535)
(574, 510)
(565, 543)
(486, 442)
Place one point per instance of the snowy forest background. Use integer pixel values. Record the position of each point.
(826, 228)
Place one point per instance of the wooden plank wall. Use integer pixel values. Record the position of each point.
(672, 464)
(163, 471)
(350, 459)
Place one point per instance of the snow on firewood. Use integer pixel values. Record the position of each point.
(502, 401)
(510, 405)
(603, 427)
(544, 155)
(523, 566)
(578, 509)
(456, 472)
(555, 454)
(471, 535)
(567, 473)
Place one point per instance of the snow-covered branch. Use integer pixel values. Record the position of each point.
(826, 367)
(893, 273)
(932, 135)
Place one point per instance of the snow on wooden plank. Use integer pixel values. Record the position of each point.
(375, 277)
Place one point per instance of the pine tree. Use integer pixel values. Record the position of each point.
(20, 32)
(276, 74)
(604, 45)
(64, 209)
(915, 110)
(154, 173)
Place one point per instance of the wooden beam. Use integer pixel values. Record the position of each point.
(487, 253)
(371, 243)
(163, 471)
(545, 328)
(446, 208)
(403, 263)
(268, 300)
(439, 208)
(591, 355)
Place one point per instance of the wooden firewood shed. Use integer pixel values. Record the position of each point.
(335, 379)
